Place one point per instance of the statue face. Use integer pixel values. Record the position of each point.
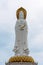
(21, 15)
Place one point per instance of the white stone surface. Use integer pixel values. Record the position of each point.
(21, 32)
(21, 63)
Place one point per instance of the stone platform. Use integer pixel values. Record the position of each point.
(21, 63)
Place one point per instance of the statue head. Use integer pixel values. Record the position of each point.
(21, 13)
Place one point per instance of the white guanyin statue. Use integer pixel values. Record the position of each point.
(21, 32)
(21, 46)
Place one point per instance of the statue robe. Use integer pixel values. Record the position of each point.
(21, 47)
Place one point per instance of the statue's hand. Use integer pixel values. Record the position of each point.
(22, 27)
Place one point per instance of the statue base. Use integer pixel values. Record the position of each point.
(21, 60)
(21, 63)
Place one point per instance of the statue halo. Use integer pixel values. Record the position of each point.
(23, 10)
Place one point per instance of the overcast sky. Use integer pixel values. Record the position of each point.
(35, 28)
